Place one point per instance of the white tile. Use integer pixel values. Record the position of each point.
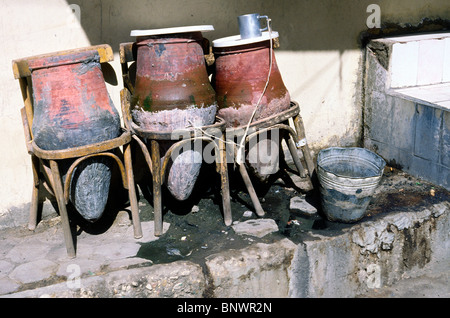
(445, 105)
(431, 93)
(446, 70)
(423, 94)
(441, 94)
(404, 64)
(419, 37)
(431, 62)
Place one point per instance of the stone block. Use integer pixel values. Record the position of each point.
(446, 70)
(404, 64)
(380, 116)
(7, 285)
(26, 252)
(302, 206)
(256, 227)
(445, 151)
(34, 271)
(427, 133)
(403, 115)
(377, 75)
(444, 176)
(181, 279)
(259, 271)
(431, 61)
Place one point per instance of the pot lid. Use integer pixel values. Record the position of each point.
(236, 40)
(193, 28)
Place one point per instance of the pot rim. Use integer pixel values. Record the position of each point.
(65, 59)
(235, 40)
(162, 31)
(378, 162)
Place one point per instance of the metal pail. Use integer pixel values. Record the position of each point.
(348, 179)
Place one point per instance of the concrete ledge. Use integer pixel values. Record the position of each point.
(366, 256)
(249, 272)
(371, 254)
(178, 279)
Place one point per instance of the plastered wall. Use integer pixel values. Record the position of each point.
(320, 59)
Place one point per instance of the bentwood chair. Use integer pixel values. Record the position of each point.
(46, 164)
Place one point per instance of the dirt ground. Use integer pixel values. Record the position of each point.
(197, 228)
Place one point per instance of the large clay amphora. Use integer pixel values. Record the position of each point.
(173, 92)
(241, 71)
(72, 108)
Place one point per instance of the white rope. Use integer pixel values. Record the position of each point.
(239, 158)
(209, 135)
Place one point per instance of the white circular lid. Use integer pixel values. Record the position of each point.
(236, 40)
(193, 28)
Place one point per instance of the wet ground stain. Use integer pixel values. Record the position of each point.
(402, 193)
(197, 229)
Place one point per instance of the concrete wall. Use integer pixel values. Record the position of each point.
(320, 58)
(410, 131)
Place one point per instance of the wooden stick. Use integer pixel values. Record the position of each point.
(132, 192)
(298, 123)
(221, 160)
(295, 157)
(59, 193)
(157, 196)
(251, 191)
(32, 220)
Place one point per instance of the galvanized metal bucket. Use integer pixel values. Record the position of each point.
(348, 179)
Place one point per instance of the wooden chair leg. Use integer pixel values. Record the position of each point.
(132, 192)
(298, 123)
(59, 193)
(32, 220)
(157, 182)
(251, 191)
(295, 157)
(225, 185)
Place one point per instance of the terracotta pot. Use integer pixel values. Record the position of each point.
(72, 108)
(241, 69)
(173, 92)
(172, 85)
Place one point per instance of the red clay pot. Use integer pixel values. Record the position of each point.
(173, 92)
(71, 103)
(72, 108)
(172, 85)
(240, 76)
